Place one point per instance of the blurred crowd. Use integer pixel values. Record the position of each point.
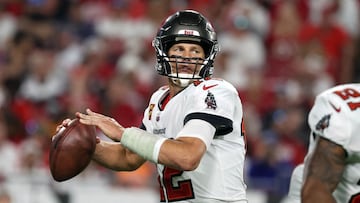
(62, 56)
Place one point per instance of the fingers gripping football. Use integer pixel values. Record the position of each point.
(109, 126)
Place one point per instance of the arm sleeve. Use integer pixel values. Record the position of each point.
(199, 129)
(217, 106)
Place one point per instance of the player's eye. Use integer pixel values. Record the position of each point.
(196, 51)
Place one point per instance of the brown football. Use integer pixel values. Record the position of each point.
(71, 150)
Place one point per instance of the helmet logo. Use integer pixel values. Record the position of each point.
(189, 32)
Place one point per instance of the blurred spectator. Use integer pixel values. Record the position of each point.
(346, 13)
(334, 40)
(310, 70)
(277, 152)
(235, 45)
(282, 42)
(32, 175)
(348, 16)
(31, 158)
(140, 68)
(121, 102)
(77, 20)
(155, 11)
(4, 196)
(81, 93)
(118, 24)
(44, 80)
(3, 93)
(256, 15)
(47, 9)
(15, 69)
(69, 51)
(8, 24)
(8, 153)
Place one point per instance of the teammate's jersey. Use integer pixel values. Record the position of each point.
(219, 175)
(336, 117)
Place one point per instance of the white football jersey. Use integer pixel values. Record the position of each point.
(219, 175)
(335, 116)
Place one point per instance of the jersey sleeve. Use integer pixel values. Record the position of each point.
(199, 129)
(148, 112)
(329, 119)
(214, 102)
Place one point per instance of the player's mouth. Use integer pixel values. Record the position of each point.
(185, 69)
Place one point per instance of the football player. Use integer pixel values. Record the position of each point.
(331, 170)
(192, 128)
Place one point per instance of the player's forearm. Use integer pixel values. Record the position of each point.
(316, 195)
(323, 171)
(116, 157)
(182, 154)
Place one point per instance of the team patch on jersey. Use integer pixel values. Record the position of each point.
(210, 101)
(151, 107)
(323, 123)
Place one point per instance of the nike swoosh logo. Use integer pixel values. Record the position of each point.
(335, 108)
(208, 87)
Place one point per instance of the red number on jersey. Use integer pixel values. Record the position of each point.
(181, 191)
(355, 198)
(348, 93)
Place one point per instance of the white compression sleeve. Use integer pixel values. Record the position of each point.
(143, 143)
(199, 129)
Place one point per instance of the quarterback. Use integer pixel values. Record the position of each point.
(192, 128)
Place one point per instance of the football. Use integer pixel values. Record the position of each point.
(71, 150)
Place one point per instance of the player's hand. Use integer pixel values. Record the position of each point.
(64, 124)
(109, 126)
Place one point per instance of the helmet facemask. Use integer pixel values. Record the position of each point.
(184, 71)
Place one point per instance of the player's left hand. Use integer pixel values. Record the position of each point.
(109, 126)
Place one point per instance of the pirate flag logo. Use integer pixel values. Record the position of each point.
(210, 101)
(323, 123)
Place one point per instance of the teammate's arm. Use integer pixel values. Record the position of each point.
(323, 172)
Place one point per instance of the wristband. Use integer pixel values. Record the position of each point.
(143, 143)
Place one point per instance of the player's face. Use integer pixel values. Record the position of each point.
(186, 58)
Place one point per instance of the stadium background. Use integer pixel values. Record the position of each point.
(60, 56)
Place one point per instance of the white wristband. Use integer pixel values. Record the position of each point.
(143, 143)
